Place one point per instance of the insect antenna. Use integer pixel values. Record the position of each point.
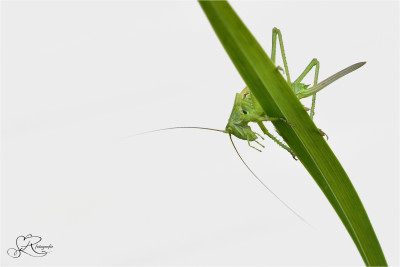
(173, 128)
(287, 206)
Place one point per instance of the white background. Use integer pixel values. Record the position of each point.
(78, 76)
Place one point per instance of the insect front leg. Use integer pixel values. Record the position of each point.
(313, 63)
(277, 32)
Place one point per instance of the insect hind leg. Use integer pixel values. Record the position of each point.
(277, 32)
(313, 63)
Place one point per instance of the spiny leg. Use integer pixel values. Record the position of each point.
(276, 140)
(313, 63)
(276, 32)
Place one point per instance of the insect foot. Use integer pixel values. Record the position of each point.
(323, 134)
(279, 68)
(293, 155)
(288, 122)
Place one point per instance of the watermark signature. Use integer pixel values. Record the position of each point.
(29, 245)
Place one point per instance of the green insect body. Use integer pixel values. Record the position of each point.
(246, 108)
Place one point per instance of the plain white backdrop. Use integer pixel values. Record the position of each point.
(78, 76)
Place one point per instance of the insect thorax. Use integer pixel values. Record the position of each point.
(299, 88)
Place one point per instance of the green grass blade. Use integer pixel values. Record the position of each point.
(278, 100)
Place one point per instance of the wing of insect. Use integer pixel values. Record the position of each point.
(246, 108)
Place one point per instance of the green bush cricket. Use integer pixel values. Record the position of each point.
(246, 108)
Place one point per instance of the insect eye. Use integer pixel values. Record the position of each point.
(244, 111)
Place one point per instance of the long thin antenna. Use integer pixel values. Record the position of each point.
(237, 152)
(173, 128)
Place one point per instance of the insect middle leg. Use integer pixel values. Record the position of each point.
(313, 63)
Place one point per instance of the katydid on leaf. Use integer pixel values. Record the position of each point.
(246, 108)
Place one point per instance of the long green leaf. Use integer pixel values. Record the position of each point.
(278, 100)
